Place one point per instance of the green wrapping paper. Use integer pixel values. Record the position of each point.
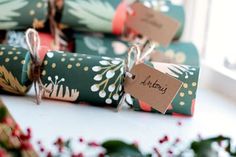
(184, 101)
(92, 79)
(100, 44)
(14, 70)
(112, 46)
(101, 15)
(178, 53)
(77, 77)
(89, 15)
(182, 59)
(21, 14)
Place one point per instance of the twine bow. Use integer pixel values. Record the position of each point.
(33, 43)
(139, 57)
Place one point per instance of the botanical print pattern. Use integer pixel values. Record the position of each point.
(95, 44)
(14, 69)
(119, 48)
(33, 13)
(16, 39)
(9, 83)
(159, 5)
(171, 56)
(57, 91)
(174, 69)
(177, 53)
(83, 78)
(94, 14)
(183, 103)
(105, 71)
(104, 46)
(9, 10)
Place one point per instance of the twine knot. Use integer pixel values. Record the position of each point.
(139, 56)
(33, 43)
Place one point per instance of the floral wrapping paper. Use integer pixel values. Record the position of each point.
(101, 44)
(184, 102)
(177, 53)
(96, 80)
(113, 46)
(21, 14)
(14, 70)
(101, 15)
(78, 77)
(17, 39)
(183, 64)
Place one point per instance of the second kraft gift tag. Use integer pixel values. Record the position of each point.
(152, 24)
(152, 86)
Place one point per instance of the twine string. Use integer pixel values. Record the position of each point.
(33, 43)
(138, 58)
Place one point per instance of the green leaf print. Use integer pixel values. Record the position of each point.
(9, 11)
(175, 70)
(92, 14)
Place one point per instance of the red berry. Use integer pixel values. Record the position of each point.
(15, 133)
(8, 121)
(2, 153)
(49, 154)
(93, 144)
(26, 146)
(29, 131)
(170, 151)
(39, 142)
(157, 152)
(179, 123)
(77, 155)
(81, 139)
(42, 149)
(164, 139)
(59, 141)
(101, 155)
(25, 137)
(177, 140)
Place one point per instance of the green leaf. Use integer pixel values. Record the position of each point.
(3, 113)
(203, 148)
(116, 148)
(95, 15)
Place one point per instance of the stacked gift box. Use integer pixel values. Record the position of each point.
(93, 33)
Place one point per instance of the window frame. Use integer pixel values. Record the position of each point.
(215, 77)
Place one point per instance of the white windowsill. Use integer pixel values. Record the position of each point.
(218, 78)
(215, 114)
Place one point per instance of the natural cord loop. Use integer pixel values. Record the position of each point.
(139, 57)
(33, 43)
